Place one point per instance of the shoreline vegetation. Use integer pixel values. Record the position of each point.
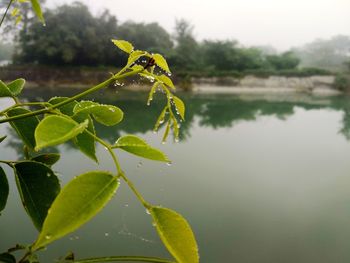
(313, 81)
(85, 55)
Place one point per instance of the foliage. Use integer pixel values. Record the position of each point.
(57, 212)
(342, 82)
(231, 56)
(150, 37)
(284, 61)
(81, 41)
(325, 53)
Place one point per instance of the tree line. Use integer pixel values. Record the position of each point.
(84, 40)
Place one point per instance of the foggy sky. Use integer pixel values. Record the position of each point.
(280, 23)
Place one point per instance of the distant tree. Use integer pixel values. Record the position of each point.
(6, 51)
(81, 40)
(328, 54)
(186, 52)
(151, 37)
(266, 50)
(287, 60)
(226, 55)
(218, 55)
(347, 64)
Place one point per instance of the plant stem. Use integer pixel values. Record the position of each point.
(9, 163)
(76, 97)
(42, 104)
(133, 188)
(110, 150)
(7, 9)
(120, 171)
(124, 258)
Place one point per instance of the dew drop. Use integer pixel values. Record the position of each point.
(106, 234)
(148, 103)
(148, 212)
(168, 163)
(139, 164)
(48, 236)
(176, 140)
(163, 142)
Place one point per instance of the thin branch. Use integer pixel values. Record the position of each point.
(7, 9)
(76, 97)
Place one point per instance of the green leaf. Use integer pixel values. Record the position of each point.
(37, 10)
(16, 86)
(166, 133)
(66, 109)
(176, 234)
(139, 147)
(108, 115)
(152, 91)
(84, 141)
(4, 189)
(135, 55)
(180, 106)
(175, 128)
(3, 138)
(160, 119)
(7, 258)
(25, 128)
(47, 158)
(137, 68)
(167, 81)
(4, 90)
(161, 62)
(123, 45)
(79, 201)
(38, 187)
(54, 130)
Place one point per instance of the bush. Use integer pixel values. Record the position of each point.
(342, 82)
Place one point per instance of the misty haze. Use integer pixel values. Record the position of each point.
(175, 131)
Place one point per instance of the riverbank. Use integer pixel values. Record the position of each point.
(53, 77)
(321, 85)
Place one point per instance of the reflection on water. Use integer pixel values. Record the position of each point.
(261, 178)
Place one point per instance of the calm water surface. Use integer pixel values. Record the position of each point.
(261, 178)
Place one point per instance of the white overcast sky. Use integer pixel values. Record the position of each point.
(280, 23)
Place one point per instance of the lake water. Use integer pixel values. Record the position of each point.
(261, 178)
